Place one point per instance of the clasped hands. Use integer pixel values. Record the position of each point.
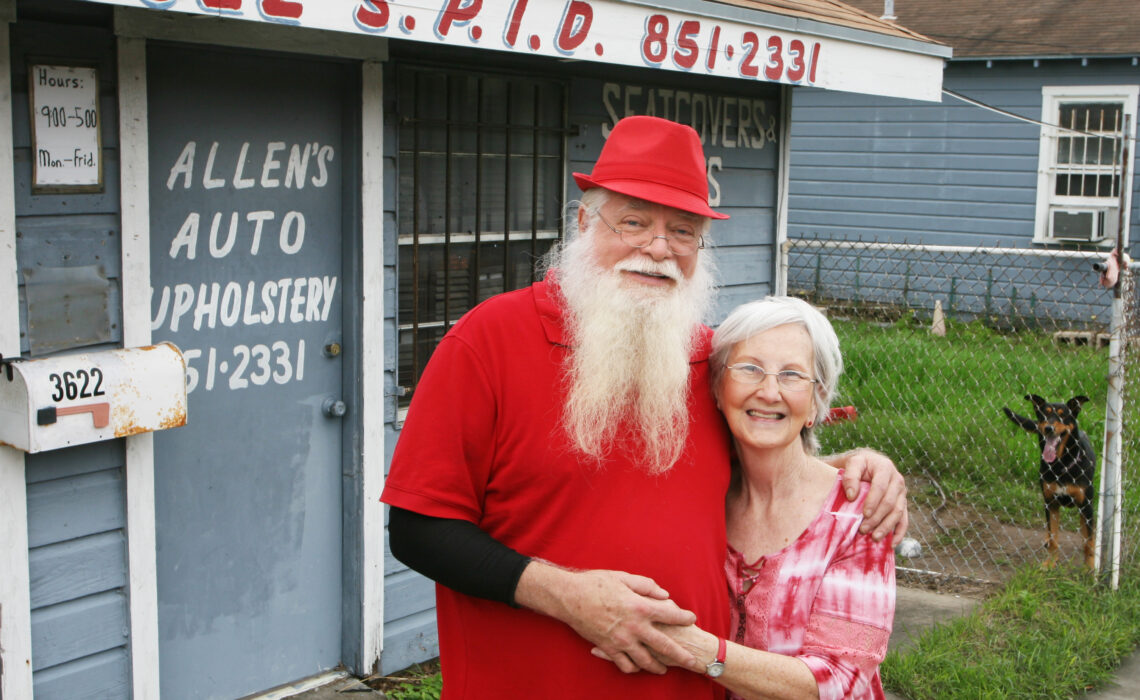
(632, 622)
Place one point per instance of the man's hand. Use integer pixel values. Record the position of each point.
(885, 507)
(614, 610)
(699, 647)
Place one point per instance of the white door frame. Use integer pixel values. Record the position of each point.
(133, 27)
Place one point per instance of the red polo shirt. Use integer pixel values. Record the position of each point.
(483, 442)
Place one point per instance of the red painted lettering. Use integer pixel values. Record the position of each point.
(775, 66)
(796, 65)
(814, 62)
(685, 55)
(714, 46)
(372, 14)
(513, 25)
(456, 11)
(285, 9)
(575, 25)
(653, 46)
(222, 4)
(748, 63)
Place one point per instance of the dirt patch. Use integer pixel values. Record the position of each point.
(966, 549)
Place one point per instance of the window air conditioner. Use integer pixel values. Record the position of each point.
(1089, 225)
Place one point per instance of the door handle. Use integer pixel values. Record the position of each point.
(334, 407)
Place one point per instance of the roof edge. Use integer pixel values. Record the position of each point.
(1053, 57)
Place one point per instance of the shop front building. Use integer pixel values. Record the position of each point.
(302, 197)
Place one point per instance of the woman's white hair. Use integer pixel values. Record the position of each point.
(756, 317)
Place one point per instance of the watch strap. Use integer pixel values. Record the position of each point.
(716, 668)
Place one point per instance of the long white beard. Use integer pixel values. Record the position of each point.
(629, 366)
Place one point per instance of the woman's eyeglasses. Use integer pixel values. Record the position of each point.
(789, 379)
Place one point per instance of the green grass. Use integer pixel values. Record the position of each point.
(934, 405)
(1047, 635)
(417, 682)
(426, 687)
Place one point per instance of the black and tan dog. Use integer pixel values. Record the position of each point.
(1067, 467)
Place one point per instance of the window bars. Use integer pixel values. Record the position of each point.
(481, 165)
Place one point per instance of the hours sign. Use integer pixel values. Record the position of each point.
(65, 128)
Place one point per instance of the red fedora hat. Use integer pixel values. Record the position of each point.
(656, 160)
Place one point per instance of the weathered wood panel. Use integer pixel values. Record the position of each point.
(101, 676)
(78, 628)
(63, 509)
(77, 568)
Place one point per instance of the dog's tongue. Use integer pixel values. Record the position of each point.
(1050, 452)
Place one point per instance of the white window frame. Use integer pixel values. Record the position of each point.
(1052, 97)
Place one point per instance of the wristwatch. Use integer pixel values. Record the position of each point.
(716, 668)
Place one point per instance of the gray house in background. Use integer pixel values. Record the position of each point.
(995, 174)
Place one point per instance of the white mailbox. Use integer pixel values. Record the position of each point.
(76, 399)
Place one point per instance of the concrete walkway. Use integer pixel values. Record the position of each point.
(916, 610)
(1126, 684)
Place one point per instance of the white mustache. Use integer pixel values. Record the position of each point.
(641, 263)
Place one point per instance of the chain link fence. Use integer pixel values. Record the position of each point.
(936, 341)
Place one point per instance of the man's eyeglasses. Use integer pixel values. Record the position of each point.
(789, 379)
(682, 240)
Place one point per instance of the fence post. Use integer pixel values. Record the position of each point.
(818, 262)
(906, 286)
(782, 268)
(1110, 502)
(989, 293)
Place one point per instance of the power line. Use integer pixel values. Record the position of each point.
(1028, 120)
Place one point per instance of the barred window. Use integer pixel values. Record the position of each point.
(1088, 163)
(481, 166)
(1083, 164)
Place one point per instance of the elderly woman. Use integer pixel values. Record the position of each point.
(813, 600)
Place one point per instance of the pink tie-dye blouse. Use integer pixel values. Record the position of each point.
(828, 599)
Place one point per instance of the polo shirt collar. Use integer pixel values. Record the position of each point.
(551, 315)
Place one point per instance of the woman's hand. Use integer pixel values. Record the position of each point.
(697, 648)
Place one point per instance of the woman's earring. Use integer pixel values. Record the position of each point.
(811, 422)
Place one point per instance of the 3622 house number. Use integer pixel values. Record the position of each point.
(80, 384)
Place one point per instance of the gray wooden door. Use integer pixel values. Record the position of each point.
(246, 194)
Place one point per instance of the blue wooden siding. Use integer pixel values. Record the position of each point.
(66, 230)
(951, 173)
(887, 170)
(77, 568)
(76, 498)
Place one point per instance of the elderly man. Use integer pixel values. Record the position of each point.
(563, 468)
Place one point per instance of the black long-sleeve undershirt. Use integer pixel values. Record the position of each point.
(456, 553)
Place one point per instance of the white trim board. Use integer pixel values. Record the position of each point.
(222, 31)
(783, 180)
(135, 216)
(372, 351)
(15, 593)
